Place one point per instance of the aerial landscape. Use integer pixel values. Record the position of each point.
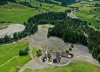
(49, 35)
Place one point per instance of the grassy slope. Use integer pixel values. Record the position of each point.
(78, 66)
(17, 13)
(7, 51)
(85, 13)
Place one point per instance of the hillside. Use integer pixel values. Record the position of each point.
(89, 11)
(19, 13)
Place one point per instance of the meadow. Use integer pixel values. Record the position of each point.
(17, 13)
(88, 12)
(76, 66)
(9, 56)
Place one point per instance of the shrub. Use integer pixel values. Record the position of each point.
(24, 52)
(2, 22)
(39, 53)
(70, 49)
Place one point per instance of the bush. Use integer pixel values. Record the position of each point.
(39, 53)
(23, 52)
(67, 51)
(70, 49)
(72, 45)
(2, 22)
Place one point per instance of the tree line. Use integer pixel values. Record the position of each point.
(6, 1)
(48, 17)
(63, 2)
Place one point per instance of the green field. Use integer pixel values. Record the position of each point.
(17, 13)
(9, 56)
(77, 66)
(88, 13)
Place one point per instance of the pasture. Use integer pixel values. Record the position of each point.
(9, 56)
(88, 12)
(17, 13)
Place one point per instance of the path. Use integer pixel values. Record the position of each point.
(7, 61)
(94, 28)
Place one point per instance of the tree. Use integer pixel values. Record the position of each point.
(40, 5)
(70, 49)
(67, 2)
(24, 52)
(72, 45)
(1, 40)
(15, 36)
(67, 51)
(49, 57)
(3, 1)
(7, 38)
(98, 57)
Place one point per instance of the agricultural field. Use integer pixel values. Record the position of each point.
(9, 56)
(77, 66)
(88, 12)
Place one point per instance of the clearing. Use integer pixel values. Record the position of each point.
(11, 29)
